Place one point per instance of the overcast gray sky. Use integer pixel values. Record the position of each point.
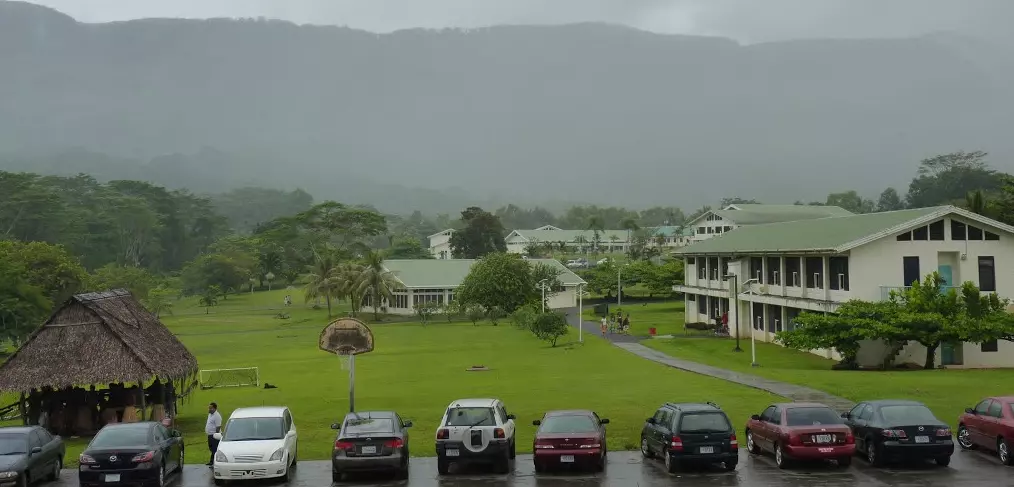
(744, 20)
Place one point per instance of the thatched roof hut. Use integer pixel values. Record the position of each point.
(97, 338)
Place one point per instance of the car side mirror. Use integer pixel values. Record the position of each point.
(755, 417)
(604, 421)
(845, 415)
(217, 436)
(406, 424)
(970, 410)
(336, 426)
(650, 421)
(536, 423)
(37, 449)
(511, 416)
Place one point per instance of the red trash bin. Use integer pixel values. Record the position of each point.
(651, 331)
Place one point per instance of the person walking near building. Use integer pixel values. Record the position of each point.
(604, 326)
(212, 426)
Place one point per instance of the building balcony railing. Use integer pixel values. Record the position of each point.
(885, 291)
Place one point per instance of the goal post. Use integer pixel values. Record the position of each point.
(236, 377)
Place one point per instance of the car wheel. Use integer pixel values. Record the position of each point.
(780, 459)
(844, 462)
(943, 461)
(503, 464)
(219, 482)
(645, 449)
(443, 466)
(1003, 451)
(514, 450)
(539, 467)
(57, 466)
(730, 465)
(873, 453)
(671, 465)
(751, 445)
(336, 476)
(965, 438)
(161, 477)
(295, 458)
(23, 480)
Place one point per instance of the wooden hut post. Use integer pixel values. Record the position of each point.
(144, 412)
(21, 409)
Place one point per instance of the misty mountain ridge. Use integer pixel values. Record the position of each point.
(575, 113)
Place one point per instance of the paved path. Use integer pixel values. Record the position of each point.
(627, 469)
(794, 392)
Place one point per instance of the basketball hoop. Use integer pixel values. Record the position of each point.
(345, 359)
(346, 338)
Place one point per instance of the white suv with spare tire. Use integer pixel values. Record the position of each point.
(476, 431)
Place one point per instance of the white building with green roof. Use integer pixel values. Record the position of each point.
(608, 240)
(717, 222)
(435, 281)
(816, 264)
(440, 244)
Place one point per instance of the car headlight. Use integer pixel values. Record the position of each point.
(8, 475)
(220, 457)
(277, 455)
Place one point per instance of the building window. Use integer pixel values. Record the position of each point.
(702, 269)
(792, 272)
(774, 266)
(910, 270)
(690, 261)
(974, 233)
(757, 269)
(957, 230)
(725, 268)
(727, 228)
(838, 268)
(990, 346)
(702, 306)
(936, 230)
(700, 230)
(920, 234)
(905, 237)
(987, 274)
(400, 301)
(691, 297)
(815, 272)
(713, 268)
(992, 236)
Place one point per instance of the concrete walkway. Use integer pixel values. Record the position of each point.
(794, 392)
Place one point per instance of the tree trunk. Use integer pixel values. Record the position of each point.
(931, 356)
(328, 297)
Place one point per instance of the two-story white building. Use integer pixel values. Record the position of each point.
(717, 222)
(670, 236)
(815, 265)
(440, 244)
(608, 240)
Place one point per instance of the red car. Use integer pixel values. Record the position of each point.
(801, 431)
(575, 437)
(989, 425)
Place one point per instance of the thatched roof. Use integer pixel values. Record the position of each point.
(97, 338)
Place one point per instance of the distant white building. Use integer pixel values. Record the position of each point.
(608, 240)
(717, 222)
(440, 244)
(435, 281)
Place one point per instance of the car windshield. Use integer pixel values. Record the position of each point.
(470, 417)
(13, 445)
(811, 417)
(361, 426)
(907, 414)
(568, 424)
(252, 429)
(704, 423)
(121, 437)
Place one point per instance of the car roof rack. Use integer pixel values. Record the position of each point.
(679, 406)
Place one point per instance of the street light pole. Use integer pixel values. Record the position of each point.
(619, 286)
(580, 314)
(542, 284)
(734, 294)
(753, 334)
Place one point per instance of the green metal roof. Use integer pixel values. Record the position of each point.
(794, 209)
(821, 234)
(449, 273)
(669, 231)
(571, 235)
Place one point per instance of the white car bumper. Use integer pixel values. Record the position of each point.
(241, 471)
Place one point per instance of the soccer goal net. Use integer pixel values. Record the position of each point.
(241, 377)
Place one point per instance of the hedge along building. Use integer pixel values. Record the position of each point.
(435, 281)
(98, 339)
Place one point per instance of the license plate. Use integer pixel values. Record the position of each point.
(826, 450)
(823, 438)
(922, 439)
(567, 458)
(707, 449)
(369, 450)
(112, 477)
(452, 453)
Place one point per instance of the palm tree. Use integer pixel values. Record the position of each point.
(324, 279)
(976, 202)
(582, 241)
(375, 281)
(596, 225)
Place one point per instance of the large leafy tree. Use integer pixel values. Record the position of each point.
(23, 306)
(889, 200)
(137, 280)
(851, 201)
(481, 233)
(842, 331)
(502, 282)
(48, 267)
(948, 178)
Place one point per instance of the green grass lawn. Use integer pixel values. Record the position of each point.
(666, 317)
(947, 392)
(418, 370)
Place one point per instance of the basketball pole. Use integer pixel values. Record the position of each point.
(352, 383)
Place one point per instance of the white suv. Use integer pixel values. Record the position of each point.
(259, 442)
(476, 431)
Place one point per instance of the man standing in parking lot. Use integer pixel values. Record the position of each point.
(214, 425)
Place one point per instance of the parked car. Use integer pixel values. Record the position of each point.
(259, 442)
(370, 441)
(144, 453)
(476, 431)
(685, 433)
(892, 429)
(800, 431)
(989, 425)
(574, 437)
(29, 454)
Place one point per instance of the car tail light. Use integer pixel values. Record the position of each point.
(343, 445)
(591, 445)
(543, 444)
(498, 433)
(676, 444)
(850, 439)
(733, 442)
(443, 434)
(395, 443)
(944, 432)
(894, 434)
(795, 439)
(86, 459)
(143, 457)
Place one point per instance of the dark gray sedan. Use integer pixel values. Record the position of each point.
(370, 441)
(29, 454)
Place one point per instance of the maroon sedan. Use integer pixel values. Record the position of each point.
(990, 426)
(570, 438)
(801, 431)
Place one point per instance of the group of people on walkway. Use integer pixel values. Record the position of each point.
(75, 411)
(615, 323)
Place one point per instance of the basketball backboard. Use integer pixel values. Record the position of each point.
(346, 336)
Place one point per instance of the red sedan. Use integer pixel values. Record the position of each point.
(990, 426)
(801, 431)
(567, 438)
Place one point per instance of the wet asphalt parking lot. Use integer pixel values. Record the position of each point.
(967, 469)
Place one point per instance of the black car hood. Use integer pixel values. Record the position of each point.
(12, 462)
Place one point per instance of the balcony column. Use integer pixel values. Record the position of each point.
(764, 271)
(781, 274)
(827, 277)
